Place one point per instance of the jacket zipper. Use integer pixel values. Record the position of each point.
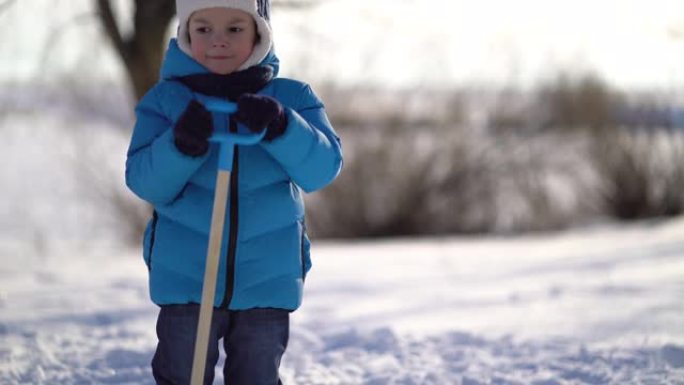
(152, 236)
(301, 250)
(232, 237)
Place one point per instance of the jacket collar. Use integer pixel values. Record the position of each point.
(178, 64)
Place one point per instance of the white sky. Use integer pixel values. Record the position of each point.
(513, 41)
(405, 42)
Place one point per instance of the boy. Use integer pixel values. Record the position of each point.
(224, 49)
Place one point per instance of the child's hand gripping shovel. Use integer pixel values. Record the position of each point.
(227, 142)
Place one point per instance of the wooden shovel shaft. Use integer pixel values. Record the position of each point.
(210, 275)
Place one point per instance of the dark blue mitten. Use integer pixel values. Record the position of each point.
(258, 112)
(193, 129)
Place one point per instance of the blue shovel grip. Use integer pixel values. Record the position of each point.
(220, 105)
(229, 140)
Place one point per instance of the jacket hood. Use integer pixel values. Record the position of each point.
(178, 64)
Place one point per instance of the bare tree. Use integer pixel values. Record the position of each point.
(141, 52)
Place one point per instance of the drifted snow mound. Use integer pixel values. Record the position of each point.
(108, 355)
(674, 355)
(381, 357)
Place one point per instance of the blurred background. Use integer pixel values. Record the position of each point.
(456, 117)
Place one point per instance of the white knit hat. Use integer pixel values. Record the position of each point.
(185, 9)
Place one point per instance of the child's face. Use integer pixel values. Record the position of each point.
(221, 39)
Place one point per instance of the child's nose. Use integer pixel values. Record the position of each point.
(218, 40)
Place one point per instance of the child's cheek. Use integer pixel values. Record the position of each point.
(197, 50)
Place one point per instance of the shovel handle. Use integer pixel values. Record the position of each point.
(210, 275)
(227, 142)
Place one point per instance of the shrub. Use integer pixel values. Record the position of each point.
(643, 172)
(446, 181)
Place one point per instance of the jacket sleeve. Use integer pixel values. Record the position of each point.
(309, 151)
(155, 170)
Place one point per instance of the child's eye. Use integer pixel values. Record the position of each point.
(202, 30)
(235, 29)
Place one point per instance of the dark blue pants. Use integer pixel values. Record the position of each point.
(254, 341)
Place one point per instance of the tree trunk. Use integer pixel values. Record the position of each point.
(142, 51)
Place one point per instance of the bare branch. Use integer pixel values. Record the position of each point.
(5, 5)
(109, 22)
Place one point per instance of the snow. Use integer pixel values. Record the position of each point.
(598, 305)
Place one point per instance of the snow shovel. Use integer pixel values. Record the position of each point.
(227, 143)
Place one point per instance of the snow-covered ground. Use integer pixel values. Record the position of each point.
(599, 305)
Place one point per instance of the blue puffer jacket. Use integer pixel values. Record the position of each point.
(265, 249)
